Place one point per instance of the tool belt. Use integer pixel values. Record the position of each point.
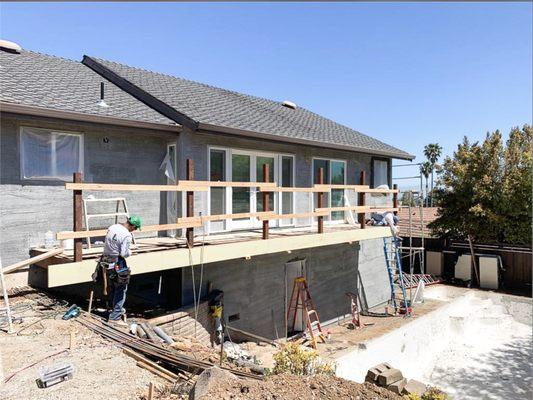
(111, 268)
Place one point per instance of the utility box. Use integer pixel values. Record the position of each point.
(489, 271)
(434, 263)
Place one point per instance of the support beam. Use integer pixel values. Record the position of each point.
(266, 198)
(78, 218)
(33, 260)
(320, 200)
(190, 202)
(361, 202)
(395, 198)
(70, 273)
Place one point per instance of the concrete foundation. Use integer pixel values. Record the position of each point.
(256, 291)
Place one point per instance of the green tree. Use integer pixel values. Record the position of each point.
(486, 190)
(425, 170)
(433, 151)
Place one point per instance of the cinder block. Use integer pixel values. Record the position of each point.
(414, 386)
(373, 373)
(389, 376)
(397, 387)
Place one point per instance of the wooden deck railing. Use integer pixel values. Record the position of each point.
(190, 221)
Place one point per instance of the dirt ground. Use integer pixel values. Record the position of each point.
(293, 387)
(102, 371)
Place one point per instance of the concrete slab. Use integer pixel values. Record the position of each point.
(415, 387)
(389, 376)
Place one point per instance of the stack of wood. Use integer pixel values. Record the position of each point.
(182, 323)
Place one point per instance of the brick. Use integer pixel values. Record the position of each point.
(414, 386)
(373, 373)
(389, 376)
(397, 387)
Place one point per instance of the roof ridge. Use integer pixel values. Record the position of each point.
(50, 56)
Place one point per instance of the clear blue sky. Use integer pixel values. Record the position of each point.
(407, 74)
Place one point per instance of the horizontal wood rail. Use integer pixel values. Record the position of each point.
(221, 217)
(181, 186)
(357, 188)
(358, 209)
(383, 191)
(298, 215)
(103, 232)
(292, 189)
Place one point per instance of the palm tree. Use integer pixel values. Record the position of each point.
(425, 169)
(432, 151)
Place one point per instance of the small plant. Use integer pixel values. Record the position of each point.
(297, 360)
(413, 396)
(434, 393)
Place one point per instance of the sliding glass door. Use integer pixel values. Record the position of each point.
(242, 166)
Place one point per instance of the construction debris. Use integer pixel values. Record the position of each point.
(391, 378)
(154, 351)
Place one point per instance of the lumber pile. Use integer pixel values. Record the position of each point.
(162, 355)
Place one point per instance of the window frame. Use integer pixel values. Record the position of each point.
(372, 172)
(229, 151)
(329, 160)
(81, 160)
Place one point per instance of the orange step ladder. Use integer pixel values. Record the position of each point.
(301, 301)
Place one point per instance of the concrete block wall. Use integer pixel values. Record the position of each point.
(255, 289)
(29, 208)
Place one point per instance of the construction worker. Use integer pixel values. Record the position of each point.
(116, 250)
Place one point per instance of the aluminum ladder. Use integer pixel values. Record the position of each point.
(393, 260)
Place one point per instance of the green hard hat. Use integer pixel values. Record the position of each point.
(135, 220)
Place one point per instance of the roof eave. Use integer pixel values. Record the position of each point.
(210, 128)
(83, 117)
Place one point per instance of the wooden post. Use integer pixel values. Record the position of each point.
(190, 202)
(361, 216)
(151, 391)
(320, 201)
(78, 218)
(266, 199)
(395, 198)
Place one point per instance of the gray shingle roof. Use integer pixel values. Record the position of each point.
(34, 79)
(224, 108)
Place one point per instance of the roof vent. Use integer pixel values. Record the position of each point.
(10, 47)
(289, 104)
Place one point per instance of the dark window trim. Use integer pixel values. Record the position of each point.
(389, 170)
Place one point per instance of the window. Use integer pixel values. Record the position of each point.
(380, 172)
(287, 179)
(217, 173)
(334, 173)
(47, 154)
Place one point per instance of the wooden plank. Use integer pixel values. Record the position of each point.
(148, 228)
(129, 187)
(222, 217)
(357, 188)
(360, 209)
(141, 358)
(292, 189)
(155, 371)
(297, 215)
(270, 185)
(33, 260)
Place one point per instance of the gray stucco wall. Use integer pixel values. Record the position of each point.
(255, 288)
(30, 208)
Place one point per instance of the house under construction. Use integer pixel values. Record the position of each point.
(236, 192)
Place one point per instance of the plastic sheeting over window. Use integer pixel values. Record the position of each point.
(50, 155)
(381, 173)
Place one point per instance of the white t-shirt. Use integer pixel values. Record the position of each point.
(117, 241)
